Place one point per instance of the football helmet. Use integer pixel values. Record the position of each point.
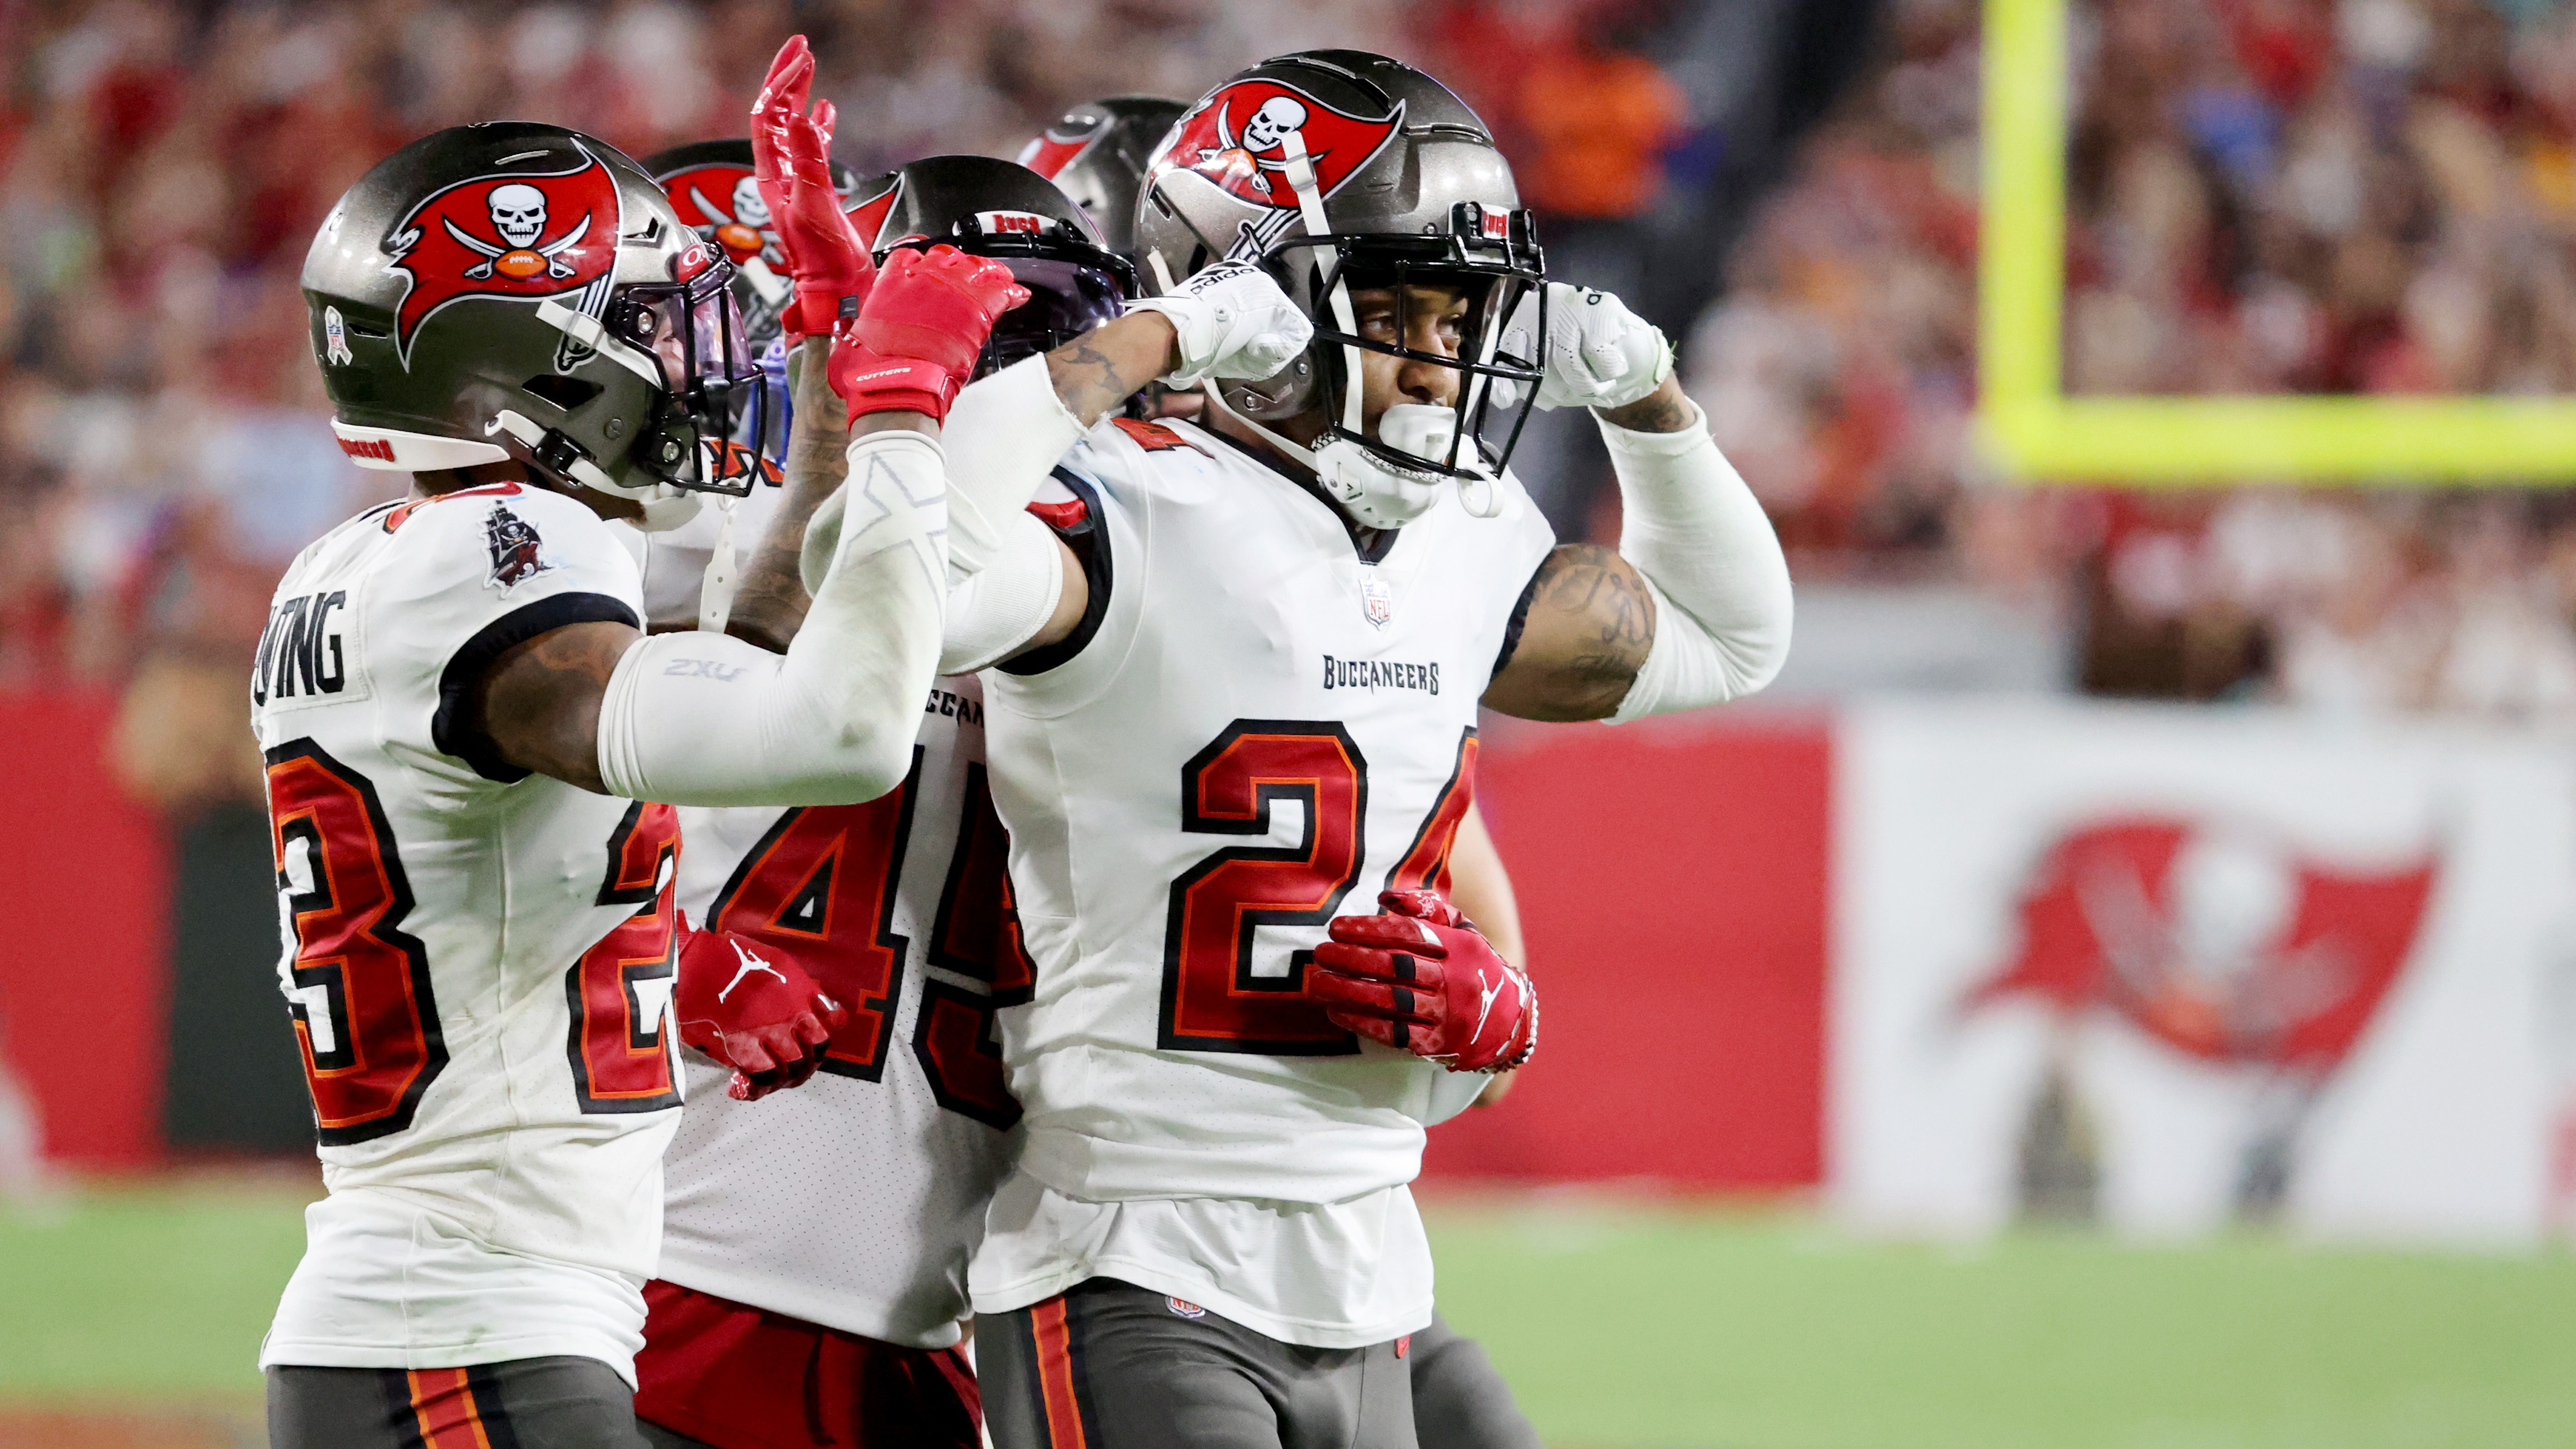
(1003, 210)
(710, 186)
(511, 290)
(1097, 153)
(1334, 170)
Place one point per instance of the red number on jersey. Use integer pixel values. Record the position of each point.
(819, 889)
(977, 934)
(623, 982)
(374, 1046)
(1426, 862)
(1212, 1002)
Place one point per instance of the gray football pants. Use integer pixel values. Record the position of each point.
(528, 1403)
(1109, 1365)
(1459, 1401)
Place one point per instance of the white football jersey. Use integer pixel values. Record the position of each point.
(477, 959)
(854, 1200)
(1264, 730)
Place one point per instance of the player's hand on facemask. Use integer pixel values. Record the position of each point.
(753, 1010)
(1232, 321)
(914, 341)
(1596, 354)
(1420, 977)
(792, 164)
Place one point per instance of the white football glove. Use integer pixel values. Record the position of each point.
(1597, 353)
(1233, 321)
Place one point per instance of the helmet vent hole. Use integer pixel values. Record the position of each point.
(567, 393)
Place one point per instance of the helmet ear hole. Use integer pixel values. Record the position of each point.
(564, 392)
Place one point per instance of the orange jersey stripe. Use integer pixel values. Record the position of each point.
(1055, 1374)
(443, 1402)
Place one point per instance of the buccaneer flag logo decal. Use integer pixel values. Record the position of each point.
(1234, 139)
(508, 236)
(721, 202)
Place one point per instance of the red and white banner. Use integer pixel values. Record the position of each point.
(2170, 968)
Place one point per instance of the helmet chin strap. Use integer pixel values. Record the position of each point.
(665, 507)
(1346, 468)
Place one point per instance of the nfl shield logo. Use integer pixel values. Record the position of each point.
(1376, 602)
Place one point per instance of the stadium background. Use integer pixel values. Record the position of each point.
(2275, 1149)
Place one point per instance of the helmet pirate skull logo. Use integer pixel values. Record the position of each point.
(518, 213)
(748, 207)
(1270, 125)
(441, 248)
(1248, 162)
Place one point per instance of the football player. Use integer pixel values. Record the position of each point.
(1098, 152)
(460, 720)
(814, 1255)
(1267, 703)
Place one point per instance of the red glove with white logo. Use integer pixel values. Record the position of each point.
(1421, 978)
(756, 1012)
(916, 338)
(791, 154)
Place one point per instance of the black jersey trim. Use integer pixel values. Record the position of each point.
(1371, 544)
(449, 729)
(1089, 541)
(1520, 616)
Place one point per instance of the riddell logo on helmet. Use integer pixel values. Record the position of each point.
(1237, 139)
(380, 449)
(508, 236)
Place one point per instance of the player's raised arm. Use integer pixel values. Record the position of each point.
(1009, 429)
(707, 719)
(1693, 608)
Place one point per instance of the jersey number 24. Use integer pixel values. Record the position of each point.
(1212, 1000)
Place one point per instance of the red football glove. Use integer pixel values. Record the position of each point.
(755, 1011)
(1421, 978)
(916, 338)
(782, 94)
(791, 153)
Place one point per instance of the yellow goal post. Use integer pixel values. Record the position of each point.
(2036, 433)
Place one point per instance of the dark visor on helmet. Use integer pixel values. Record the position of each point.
(711, 394)
(1066, 299)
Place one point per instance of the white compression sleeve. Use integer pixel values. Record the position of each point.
(1712, 563)
(1002, 435)
(701, 719)
(996, 611)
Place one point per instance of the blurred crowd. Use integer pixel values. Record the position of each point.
(2373, 196)
(2353, 195)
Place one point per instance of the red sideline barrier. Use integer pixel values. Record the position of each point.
(85, 889)
(1673, 889)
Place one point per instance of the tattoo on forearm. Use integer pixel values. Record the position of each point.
(1088, 380)
(1664, 410)
(771, 602)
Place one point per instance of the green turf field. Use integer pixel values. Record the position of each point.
(1631, 1327)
